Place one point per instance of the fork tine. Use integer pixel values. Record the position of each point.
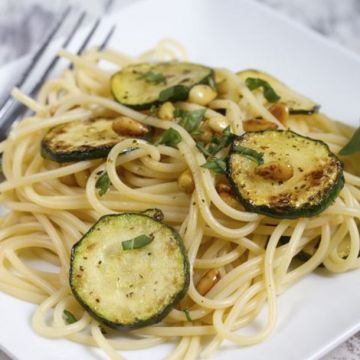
(35, 58)
(55, 60)
(89, 36)
(20, 109)
(107, 38)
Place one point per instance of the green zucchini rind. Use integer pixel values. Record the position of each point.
(316, 182)
(297, 104)
(128, 289)
(132, 88)
(80, 140)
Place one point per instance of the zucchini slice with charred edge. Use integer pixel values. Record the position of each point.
(297, 104)
(142, 85)
(316, 180)
(129, 288)
(80, 140)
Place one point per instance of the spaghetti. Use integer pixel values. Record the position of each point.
(50, 207)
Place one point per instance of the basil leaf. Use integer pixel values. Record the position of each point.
(250, 154)
(69, 317)
(353, 145)
(187, 314)
(177, 92)
(190, 120)
(169, 137)
(217, 165)
(269, 92)
(203, 149)
(137, 242)
(103, 183)
(217, 143)
(153, 78)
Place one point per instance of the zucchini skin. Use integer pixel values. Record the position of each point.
(182, 92)
(90, 154)
(289, 212)
(139, 323)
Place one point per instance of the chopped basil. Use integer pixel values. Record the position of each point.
(217, 165)
(218, 143)
(153, 78)
(178, 92)
(103, 183)
(69, 317)
(190, 120)
(203, 149)
(250, 154)
(353, 145)
(187, 314)
(169, 137)
(137, 242)
(269, 92)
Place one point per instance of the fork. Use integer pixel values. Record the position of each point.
(10, 109)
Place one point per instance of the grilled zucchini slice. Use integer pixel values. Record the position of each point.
(297, 104)
(142, 85)
(129, 270)
(80, 140)
(316, 174)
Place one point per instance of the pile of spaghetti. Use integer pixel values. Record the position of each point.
(240, 260)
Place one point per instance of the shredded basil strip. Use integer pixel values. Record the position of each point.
(190, 120)
(153, 78)
(178, 92)
(137, 242)
(269, 92)
(217, 165)
(249, 154)
(103, 183)
(69, 317)
(169, 137)
(216, 143)
(187, 314)
(353, 145)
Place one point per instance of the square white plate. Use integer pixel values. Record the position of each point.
(320, 311)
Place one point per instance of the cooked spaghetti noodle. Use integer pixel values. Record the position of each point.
(51, 206)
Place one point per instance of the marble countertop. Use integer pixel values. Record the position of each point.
(338, 20)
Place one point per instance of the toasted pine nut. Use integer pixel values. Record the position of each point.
(208, 281)
(278, 171)
(223, 187)
(258, 125)
(202, 94)
(128, 127)
(230, 200)
(68, 180)
(166, 111)
(81, 178)
(186, 182)
(218, 123)
(281, 112)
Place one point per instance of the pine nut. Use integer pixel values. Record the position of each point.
(186, 182)
(128, 127)
(218, 124)
(166, 111)
(281, 112)
(278, 171)
(258, 125)
(202, 94)
(68, 180)
(208, 281)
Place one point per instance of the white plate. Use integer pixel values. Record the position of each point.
(320, 311)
